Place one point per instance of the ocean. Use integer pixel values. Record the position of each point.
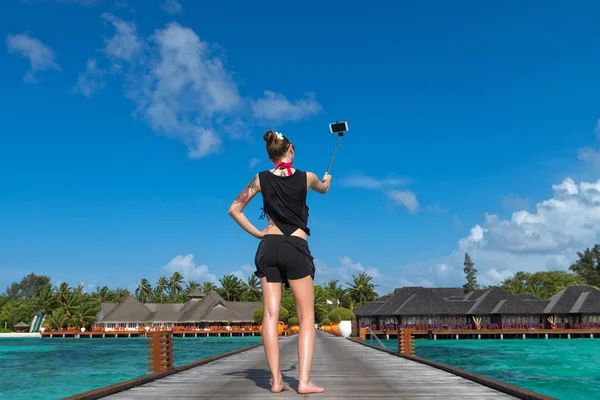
(45, 369)
(568, 369)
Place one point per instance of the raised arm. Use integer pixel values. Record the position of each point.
(237, 207)
(315, 184)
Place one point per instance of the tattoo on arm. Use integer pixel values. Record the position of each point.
(243, 197)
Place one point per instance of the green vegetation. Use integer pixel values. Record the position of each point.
(325, 321)
(470, 275)
(259, 313)
(545, 284)
(72, 306)
(293, 321)
(340, 314)
(588, 265)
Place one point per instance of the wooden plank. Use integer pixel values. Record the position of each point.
(346, 370)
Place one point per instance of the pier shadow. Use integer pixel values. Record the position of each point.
(260, 377)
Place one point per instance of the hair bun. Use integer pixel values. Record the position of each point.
(269, 136)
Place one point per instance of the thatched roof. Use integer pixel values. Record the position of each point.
(200, 308)
(412, 301)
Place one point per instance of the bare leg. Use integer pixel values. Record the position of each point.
(270, 338)
(304, 293)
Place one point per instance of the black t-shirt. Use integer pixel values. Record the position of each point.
(284, 199)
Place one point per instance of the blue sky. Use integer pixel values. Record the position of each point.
(128, 127)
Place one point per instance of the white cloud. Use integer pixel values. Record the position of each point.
(182, 87)
(405, 198)
(276, 107)
(124, 45)
(547, 239)
(172, 7)
(346, 268)
(89, 81)
(187, 267)
(253, 162)
(244, 272)
(41, 57)
(362, 181)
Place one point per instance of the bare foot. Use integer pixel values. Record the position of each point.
(278, 387)
(309, 387)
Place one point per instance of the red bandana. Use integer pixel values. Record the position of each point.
(284, 165)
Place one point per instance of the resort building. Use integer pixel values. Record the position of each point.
(495, 308)
(201, 311)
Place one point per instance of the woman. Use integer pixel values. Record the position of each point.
(283, 256)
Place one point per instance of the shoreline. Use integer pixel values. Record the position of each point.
(15, 335)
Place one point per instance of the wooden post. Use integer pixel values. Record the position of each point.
(406, 342)
(160, 355)
(363, 334)
(355, 327)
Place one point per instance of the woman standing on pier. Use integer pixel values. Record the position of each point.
(283, 256)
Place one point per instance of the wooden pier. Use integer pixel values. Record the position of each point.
(347, 369)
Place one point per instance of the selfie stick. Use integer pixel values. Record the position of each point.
(339, 128)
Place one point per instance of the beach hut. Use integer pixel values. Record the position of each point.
(21, 327)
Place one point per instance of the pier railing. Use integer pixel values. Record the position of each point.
(373, 335)
(406, 342)
(160, 355)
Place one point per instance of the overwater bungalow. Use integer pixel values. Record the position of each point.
(201, 311)
(450, 308)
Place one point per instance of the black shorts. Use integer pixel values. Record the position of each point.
(281, 258)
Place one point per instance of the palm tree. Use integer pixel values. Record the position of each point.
(191, 285)
(208, 287)
(144, 291)
(85, 316)
(321, 307)
(251, 290)
(175, 283)
(159, 290)
(515, 286)
(120, 294)
(79, 289)
(9, 312)
(102, 295)
(45, 301)
(61, 292)
(71, 305)
(231, 287)
(538, 290)
(56, 320)
(336, 293)
(361, 289)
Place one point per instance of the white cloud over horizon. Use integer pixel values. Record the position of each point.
(546, 239)
(183, 89)
(40, 56)
(187, 267)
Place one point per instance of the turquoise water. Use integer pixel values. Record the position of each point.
(561, 368)
(55, 368)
